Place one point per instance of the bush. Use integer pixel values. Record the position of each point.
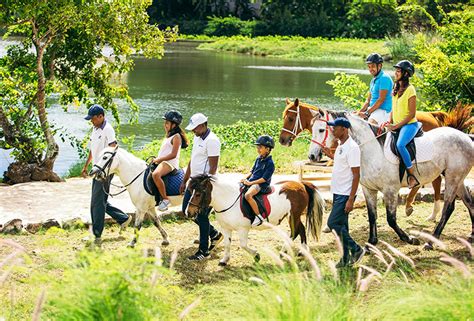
(350, 89)
(415, 18)
(402, 46)
(372, 19)
(229, 26)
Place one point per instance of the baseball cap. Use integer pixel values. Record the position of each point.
(94, 110)
(196, 120)
(340, 121)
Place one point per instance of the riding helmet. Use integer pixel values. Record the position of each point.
(173, 116)
(266, 141)
(374, 58)
(407, 66)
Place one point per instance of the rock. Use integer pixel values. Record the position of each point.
(50, 223)
(33, 228)
(74, 224)
(13, 227)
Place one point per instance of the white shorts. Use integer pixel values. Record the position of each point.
(380, 116)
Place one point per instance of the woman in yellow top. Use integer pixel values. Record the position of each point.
(403, 115)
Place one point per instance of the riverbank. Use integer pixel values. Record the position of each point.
(294, 48)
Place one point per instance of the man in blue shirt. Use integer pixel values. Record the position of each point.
(378, 105)
(261, 174)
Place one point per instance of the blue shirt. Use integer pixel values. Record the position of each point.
(263, 168)
(381, 82)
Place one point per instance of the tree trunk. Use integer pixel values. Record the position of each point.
(52, 149)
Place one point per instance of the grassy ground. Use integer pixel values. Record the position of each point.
(298, 48)
(55, 260)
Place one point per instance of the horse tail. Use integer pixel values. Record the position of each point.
(315, 210)
(458, 118)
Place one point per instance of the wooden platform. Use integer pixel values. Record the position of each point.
(319, 173)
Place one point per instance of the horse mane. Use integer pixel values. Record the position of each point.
(336, 113)
(375, 129)
(301, 104)
(197, 180)
(458, 118)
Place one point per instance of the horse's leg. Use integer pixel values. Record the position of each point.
(410, 198)
(469, 202)
(139, 215)
(243, 239)
(437, 199)
(300, 230)
(371, 201)
(157, 223)
(391, 203)
(227, 240)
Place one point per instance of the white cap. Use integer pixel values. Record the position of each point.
(196, 120)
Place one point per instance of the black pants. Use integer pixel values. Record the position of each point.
(99, 206)
(206, 230)
(339, 221)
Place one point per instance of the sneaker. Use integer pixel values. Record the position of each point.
(163, 206)
(342, 264)
(125, 224)
(215, 241)
(257, 221)
(199, 256)
(357, 256)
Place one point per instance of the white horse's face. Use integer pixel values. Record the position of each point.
(322, 135)
(106, 164)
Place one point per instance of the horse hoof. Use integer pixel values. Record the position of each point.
(131, 245)
(222, 264)
(428, 247)
(300, 254)
(414, 241)
(165, 242)
(431, 218)
(409, 211)
(470, 239)
(257, 258)
(326, 229)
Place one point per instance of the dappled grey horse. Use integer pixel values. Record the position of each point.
(453, 157)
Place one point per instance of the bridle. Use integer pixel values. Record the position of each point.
(200, 206)
(326, 135)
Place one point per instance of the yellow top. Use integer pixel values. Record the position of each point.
(400, 105)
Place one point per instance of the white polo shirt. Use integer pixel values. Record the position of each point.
(202, 150)
(101, 138)
(346, 156)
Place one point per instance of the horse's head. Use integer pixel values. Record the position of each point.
(322, 135)
(201, 194)
(106, 164)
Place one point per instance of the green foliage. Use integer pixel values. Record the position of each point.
(350, 89)
(229, 26)
(113, 286)
(415, 18)
(372, 19)
(402, 46)
(446, 65)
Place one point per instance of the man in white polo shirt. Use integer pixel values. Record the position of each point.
(344, 184)
(204, 160)
(102, 136)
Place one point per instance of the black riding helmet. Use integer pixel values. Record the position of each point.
(173, 116)
(374, 58)
(266, 141)
(407, 66)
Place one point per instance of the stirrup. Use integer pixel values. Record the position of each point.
(416, 180)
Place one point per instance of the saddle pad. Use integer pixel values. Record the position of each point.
(424, 149)
(262, 202)
(172, 183)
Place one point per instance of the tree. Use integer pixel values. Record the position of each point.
(68, 38)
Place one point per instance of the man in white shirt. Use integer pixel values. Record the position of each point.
(204, 160)
(344, 184)
(102, 136)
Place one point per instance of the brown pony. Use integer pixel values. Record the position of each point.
(299, 116)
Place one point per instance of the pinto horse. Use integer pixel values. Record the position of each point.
(299, 116)
(289, 198)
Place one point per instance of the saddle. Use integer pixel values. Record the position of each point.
(411, 147)
(262, 201)
(172, 182)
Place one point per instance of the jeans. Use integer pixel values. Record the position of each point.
(339, 221)
(407, 133)
(206, 230)
(99, 206)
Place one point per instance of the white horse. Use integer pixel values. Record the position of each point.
(453, 157)
(130, 170)
(288, 198)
